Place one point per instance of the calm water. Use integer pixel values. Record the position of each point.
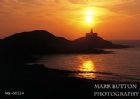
(123, 65)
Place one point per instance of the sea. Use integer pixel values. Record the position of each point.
(122, 65)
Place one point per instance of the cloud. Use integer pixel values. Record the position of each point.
(118, 6)
(35, 13)
(100, 2)
(129, 8)
(36, 8)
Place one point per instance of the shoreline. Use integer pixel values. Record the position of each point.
(37, 80)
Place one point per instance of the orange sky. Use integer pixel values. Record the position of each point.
(112, 19)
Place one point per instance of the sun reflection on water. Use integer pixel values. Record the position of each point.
(87, 69)
(87, 66)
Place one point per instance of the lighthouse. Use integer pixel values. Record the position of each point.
(91, 34)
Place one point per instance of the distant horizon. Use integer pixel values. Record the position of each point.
(73, 38)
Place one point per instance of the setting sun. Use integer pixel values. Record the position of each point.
(90, 12)
(89, 17)
(68, 48)
(72, 18)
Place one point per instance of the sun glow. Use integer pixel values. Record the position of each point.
(89, 17)
(90, 12)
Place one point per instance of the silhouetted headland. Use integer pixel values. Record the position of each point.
(44, 42)
(92, 40)
(17, 50)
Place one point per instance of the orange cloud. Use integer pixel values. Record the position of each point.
(66, 16)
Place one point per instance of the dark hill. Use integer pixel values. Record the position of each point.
(38, 42)
(92, 40)
(43, 42)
